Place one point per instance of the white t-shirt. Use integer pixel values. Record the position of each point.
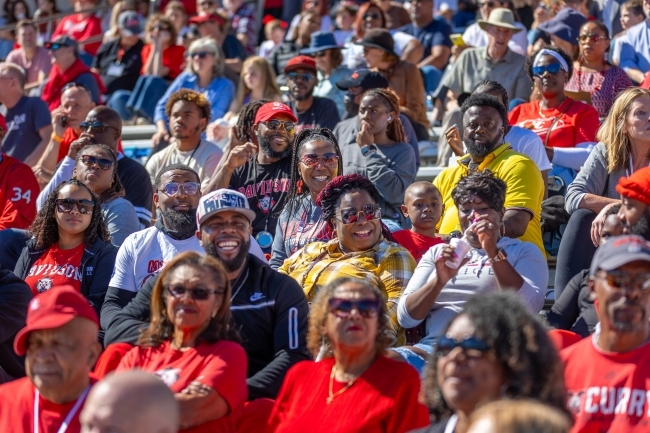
(474, 36)
(527, 142)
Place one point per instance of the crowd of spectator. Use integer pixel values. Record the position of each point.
(275, 263)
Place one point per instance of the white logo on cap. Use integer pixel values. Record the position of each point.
(278, 106)
(634, 248)
(35, 304)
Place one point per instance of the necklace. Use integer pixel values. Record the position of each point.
(340, 391)
(241, 284)
(600, 83)
(192, 154)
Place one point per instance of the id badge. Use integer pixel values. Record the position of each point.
(115, 70)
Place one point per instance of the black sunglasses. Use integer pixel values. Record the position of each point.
(200, 54)
(54, 47)
(102, 163)
(95, 126)
(320, 54)
(373, 16)
(274, 125)
(66, 205)
(621, 280)
(342, 308)
(488, 4)
(197, 293)
(295, 76)
(173, 188)
(471, 347)
(351, 215)
(328, 160)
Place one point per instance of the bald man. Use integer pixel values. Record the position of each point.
(131, 401)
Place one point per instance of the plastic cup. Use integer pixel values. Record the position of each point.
(461, 248)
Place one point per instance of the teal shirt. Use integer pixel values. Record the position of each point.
(326, 87)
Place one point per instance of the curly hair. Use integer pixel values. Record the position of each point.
(305, 136)
(246, 119)
(161, 327)
(523, 416)
(45, 229)
(162, 21)
(528, 64)
(485, 100)
(316, 339)
(329, 198)
(518, 341)
(395, 129)
(483, 184)
(195, 98)
(116, 189)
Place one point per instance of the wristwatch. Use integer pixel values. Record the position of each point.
(370, 148)
(501, 255)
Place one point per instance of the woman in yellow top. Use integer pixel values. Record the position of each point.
(361, 248)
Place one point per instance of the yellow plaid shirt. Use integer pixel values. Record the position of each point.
(388, 265)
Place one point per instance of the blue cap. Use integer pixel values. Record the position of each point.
(565, 25)
(321, 41)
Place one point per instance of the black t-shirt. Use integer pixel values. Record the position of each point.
(322, 114)
(266, 186)
(119, 72)
(233, 48)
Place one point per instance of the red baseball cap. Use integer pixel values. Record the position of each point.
(298, 62)
(271, 109)
(53, 309)
(200, 19)
(3, 123)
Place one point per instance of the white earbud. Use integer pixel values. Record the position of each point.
(390, 118)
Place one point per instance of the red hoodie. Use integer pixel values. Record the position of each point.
(57, 80)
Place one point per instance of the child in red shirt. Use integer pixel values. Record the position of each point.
(423, 205)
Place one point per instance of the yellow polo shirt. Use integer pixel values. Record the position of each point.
(525, 189)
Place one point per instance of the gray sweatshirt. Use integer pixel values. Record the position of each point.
(593, 179)
(476, 276)
(121, 219)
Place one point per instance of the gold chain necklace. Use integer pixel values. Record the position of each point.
(340, 391)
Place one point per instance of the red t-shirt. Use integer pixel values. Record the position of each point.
(383, 399)
(81, 29)
(17, 410)
(18, 192)
(190, 6)
(173, 58)
(223, 366)
(608, 392)
(56, 267)
(417, 244)
(578, 124)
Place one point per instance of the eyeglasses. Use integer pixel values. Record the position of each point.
(342, 308)
(54, 47)
(621, 279)
(472, 347)
(328, 160)
(372, 16)
(295, 76)
(102, 163)
(197, 293)
(552, 68)
(350, 215)
(200, 54)
(159, 27)
(174, 188)
(591, 38)
(95, 126)
(66, 205)
(274, 125)
(488, 4)
(320, 54)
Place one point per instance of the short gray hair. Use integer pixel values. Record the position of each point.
(17, 71)
(210, 45)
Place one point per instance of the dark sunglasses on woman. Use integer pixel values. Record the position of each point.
(197, 293)
(342, 308)
(552, 68)
(328, 160)
(91, 161)
(66, 205)
(372, 16)
(95, 126)
(471, 347)
(351, 215)
(591, 38)
(200, 54)
(274, 125)
(173, 188)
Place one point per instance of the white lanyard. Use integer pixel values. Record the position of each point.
(68, 418)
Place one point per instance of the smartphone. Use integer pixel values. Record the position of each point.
(457, 39)
(64, 121)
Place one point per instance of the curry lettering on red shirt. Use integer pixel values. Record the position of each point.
(17, 410)
(18, 192)
(608, 392)
(221, 366)
(56, 267)
(417, 244)
(577, 123)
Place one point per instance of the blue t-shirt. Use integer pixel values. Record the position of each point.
(435, 33)
(23, 123)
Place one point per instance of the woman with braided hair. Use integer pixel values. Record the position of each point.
(385, 157)
(361, 247)
(316, 160)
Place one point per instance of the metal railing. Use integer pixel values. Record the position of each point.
(54, 17)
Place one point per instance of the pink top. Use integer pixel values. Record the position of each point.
(42, 61)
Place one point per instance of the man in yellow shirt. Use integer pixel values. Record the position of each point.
(484, 121)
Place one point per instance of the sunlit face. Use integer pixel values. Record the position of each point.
(316, 177)
(423, 206)
(309, 24)
(548, 83)
(629, 19)
(26, 37)
(226, 236)
(344, 20)
(483, 130)
(74, 222)
(612, 227)
(589, 48)
(374, 113)
(363, 234)
(97, 179)
(373, 56)
(253, 77)
(631, 212)
(76, 104)
(372, 19)
(499, 36)
(203, 64)
(354, 331)
(470, 211)
(186, 120)
(637, 120)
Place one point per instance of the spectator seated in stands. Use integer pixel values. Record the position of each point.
(385, 395)
(316, 161)
(311, 111)
(69, 68)
(346, 15)
(176, 13)
(243, 22)
(481, 345)
(396, 14)
(363, 247)
(445, 278)
(622, 149)
(112, 27)
(484, 120)
(319, 7)
(632, 13)
(60, 345)
(215, 25)
(198, 354)
(131, 400)
(634, 57)
(618, 283)
(298, 39)
(567, 127)
(70, 245)
(45, 9)
(81, 27)
(268, 308)
(274, 31)
(188, 113)
(476, 35)
(204, 74)
(15, 295)
(514, 416)
(27, 118)
(35, 60)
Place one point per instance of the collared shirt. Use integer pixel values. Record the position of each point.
(388, 265)
(525, 188)
(474, 65)
(635, 48)
(40, 62)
